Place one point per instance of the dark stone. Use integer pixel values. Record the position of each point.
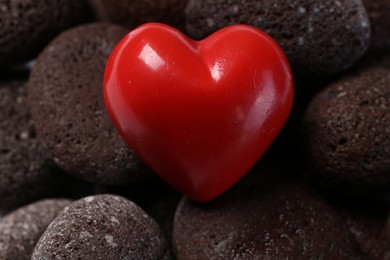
(21, 229)
(320, 38)
(102, 227)
(379, 14)
(346, 133)
(66, 100)
(27, 172)
(136, 12)
(265, 216)
(27, 26)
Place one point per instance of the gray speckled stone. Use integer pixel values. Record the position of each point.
(67, 105)
(21, 229)
(136, 12)
(102, 227)
(379, 14)
(27, 172)
(265, 216)
(320, 37)
(346, 130)
(27, 26)
(368, 228)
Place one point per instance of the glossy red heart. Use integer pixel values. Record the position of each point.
(199, 113)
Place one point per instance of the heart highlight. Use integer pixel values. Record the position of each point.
(198, 113)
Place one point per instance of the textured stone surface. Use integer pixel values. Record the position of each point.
(369, 231)
(27, 26)
(346, 132)
(21, 229)
(155, 197)
(320, 38)
(66, 100)
(102, 227)
(379, 14)
(26, 170)
(263, 217)
(131, 13)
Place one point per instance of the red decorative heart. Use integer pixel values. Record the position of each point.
(199, 113)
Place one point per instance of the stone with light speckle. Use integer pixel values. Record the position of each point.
(65, 86)
(321, 38)
(379, 14)
(368, 227)
(21, 229)
(263, 217)
(27, 172)
(345, 132)
(136, 12)
(27, 26)
(102, 227)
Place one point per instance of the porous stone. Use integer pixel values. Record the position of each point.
(21, 229)
(320, 38)
(102, 227)
(379, 14)
(67, 105)
(27, 26)
(368, 228)
(346, 133)
(136, 12)
(27, 172)
(263, 217)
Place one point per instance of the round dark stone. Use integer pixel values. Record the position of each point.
(346, 133)
(21, 229)
(27, 172)
(379, 14)
(66, 100)
(136, 12)
(368, 228)
(27, 26)
(102, 227)
(320, 38)
(265, 216)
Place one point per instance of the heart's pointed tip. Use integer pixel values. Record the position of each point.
(200, 198)
(207, 195)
